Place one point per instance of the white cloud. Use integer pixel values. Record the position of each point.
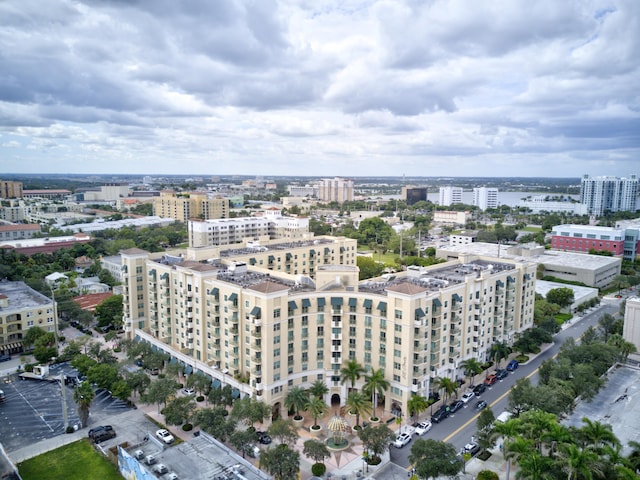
(351, 87)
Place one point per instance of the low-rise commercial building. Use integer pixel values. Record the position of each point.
(619, 241)
(451, 218)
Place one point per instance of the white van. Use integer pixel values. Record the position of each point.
(504, 416)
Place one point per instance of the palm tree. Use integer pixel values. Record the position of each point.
(471, 368)
(317, 408)
(416, 405)
(580, 463)
(296, 400)
(318, 389)
(448, 386)
(358, 404)
(83, 396)
(351, 372)
(499, 351)
(375, 385)
(597, 435)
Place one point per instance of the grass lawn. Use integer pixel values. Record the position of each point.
(76, 461)
(531, 229)
(563, 317)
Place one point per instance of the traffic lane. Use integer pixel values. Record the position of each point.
(460, 427)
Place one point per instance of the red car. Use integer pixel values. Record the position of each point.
(490, 380)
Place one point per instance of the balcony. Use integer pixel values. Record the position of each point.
(256, 345)
(414, 388)
(257, 322)
(256, 333)
(336, 348)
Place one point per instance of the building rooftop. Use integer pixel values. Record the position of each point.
(21, 296)
(282, 246)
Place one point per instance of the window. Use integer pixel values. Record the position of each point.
(367, 345)
(398, 328)
(398, 314)
(397, 353)
(320, 331)
(276, 339)
(276, 352)
(276, 327)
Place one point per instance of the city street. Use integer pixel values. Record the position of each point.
(461, 426)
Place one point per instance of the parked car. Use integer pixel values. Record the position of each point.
(103, 435)
(189, 391)
(481, 405)
(402, 440)
(471, 448)
(512, 365)
(100, 429)
(455, 406)
(263, 438)
(5, 358)
(479, 389)
(467, 396)
(440, 414)
(422, 428)
(490, 380)
(165, 436)
(501, 374)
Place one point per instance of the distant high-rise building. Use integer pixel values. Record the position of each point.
(193, 205)
(9, 189)
(484, 197)
(609, 194)
(450, 195)
(413, 195)
(335, 190)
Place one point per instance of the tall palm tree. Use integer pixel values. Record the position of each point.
(358, 404)
(416, 405)
(534, 466)
(296, 399)
(317, 408)
(597, 435)
(448, 386)
(351, 372)
(471, 368)
(580, 463)
(375, 384)
(318, 389)
(499, 351)
(83, 396)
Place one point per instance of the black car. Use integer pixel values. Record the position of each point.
(5, 358)
(104, 435)
(479, 389)
(481, 405)
(455, 406)
(441, 414)
(263, 438)
(94, 432)
(501, 374)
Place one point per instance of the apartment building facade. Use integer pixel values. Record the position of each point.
(188, 206)
(485, 197)
(621, 242)
(450, 195)
(335, 190)
(10, 189)
(263, 332)
(21, 308)
(609, 194)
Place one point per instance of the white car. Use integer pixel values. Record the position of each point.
(165, 436)
(188, 391)
(402, 440)
(467, 397)
(422, 428)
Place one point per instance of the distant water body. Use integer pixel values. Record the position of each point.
(511, 199)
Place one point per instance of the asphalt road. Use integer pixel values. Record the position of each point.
(461, 426)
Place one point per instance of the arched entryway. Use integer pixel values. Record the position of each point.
(396, 409)
(335, 401)
(275, 411)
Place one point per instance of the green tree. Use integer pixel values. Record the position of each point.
(83, 395)
(376, 440)
(358, 404)
(296, 400)
(368, 267)
(351, 372)
(416, 405)
(499, 351)
(282, 462)
(179, 410)
(32, 335)
(580, 463)
(250, 410)
(471, 368)
(109, 312)
(45, 348)
(159, 391)
(318, 389)
(484, 425)
(448, 386)
(215, 421)
(317, 408)
(607, 326)
(375, 385)
(316, 450)
(433, 458)
(103, 375)
(563, 297)
(243, 440)
(284, 431)
(137, 381)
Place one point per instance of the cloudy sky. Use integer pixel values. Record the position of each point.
(321, 87)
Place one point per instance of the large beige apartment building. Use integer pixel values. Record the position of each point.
(188, 206)
(262, 329)
(21, 308)
(9, 189)
(335, 190)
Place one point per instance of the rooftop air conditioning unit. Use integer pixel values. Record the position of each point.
(139, 454)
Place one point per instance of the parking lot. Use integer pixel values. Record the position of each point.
(33, 409)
